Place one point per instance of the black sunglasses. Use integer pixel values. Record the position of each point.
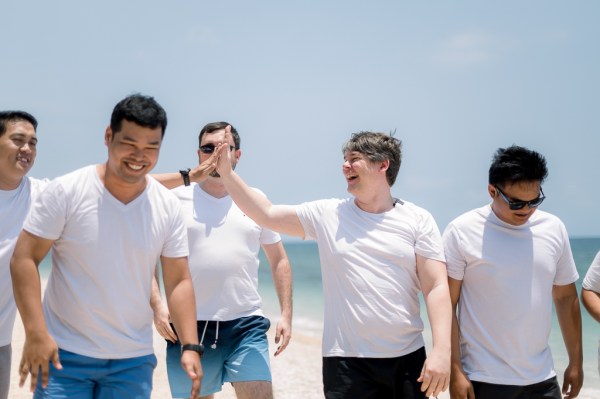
(210, 148)
(516, 204)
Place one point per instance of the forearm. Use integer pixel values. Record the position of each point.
(440, 316)
(282, 278)
(27, 293)
(182, 308)
(591, 301)
(569, 318)
(169, 180)
(253, 204)
(155, 295)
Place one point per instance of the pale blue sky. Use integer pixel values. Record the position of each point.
(455, 79)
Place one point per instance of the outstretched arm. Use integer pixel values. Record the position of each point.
(282, 278)
(197, 174)
(280, 218)
(40, 348)
(435, 375)
(568, 313)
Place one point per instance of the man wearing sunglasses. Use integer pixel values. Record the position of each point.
(224, 244)
(506, 262)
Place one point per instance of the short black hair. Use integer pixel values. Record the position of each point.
(141, 110)
(211, 127)
(14, 116)
(517, 164)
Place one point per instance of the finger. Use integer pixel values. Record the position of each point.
(170, 334)
(23, 373)
(56, 360)
(34, 378)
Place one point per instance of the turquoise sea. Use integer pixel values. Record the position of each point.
(308, 301)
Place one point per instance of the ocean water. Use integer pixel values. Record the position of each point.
(308, 303)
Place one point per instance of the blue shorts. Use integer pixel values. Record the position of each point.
(241, 354)
(85, 377)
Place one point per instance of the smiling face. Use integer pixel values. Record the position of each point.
(518, 191)
(362, 175)
(17, 153)
(132, 151)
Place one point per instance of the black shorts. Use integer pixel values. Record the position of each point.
(373, 378)
(548, 389)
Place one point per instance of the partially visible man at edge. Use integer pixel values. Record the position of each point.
(18, 149)
(377, 252)
(108, 225)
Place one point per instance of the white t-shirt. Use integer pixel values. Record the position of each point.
(14, 207)
(97, 301)
(592, 277)
(505, 306)
(370, 281)
(224, 245)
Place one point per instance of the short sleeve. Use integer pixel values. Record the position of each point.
(428, 241)
(592, 277)
(49, 213)
(455, 260)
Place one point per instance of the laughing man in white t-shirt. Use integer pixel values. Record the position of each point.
(506, 263)
(107, 226)
(18, 149)
(377, 253)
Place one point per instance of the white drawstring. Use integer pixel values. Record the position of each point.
(214, 345)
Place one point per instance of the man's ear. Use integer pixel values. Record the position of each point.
(107, 135)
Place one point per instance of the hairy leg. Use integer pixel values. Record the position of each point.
(253, 390)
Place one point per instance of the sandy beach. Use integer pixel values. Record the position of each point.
(296, 372)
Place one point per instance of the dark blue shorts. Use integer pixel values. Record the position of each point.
(241, 353)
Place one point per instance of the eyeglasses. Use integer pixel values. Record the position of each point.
(515, 205)
(210, 148)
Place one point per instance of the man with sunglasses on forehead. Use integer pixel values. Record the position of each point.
(507, 261)
(231, 324)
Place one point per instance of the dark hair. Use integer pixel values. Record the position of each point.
(15, 116)
(378, 147)
(141, 110)
(211, 127)
(515, 164)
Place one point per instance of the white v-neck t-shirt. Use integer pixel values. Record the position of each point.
(97, 301)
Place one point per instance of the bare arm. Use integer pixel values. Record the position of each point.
(40, 348)
(179, 292)
(197, 174)
(280, 218)
(568, 313)
(282, 279)
(460, 386)
(591, 301)
(434, 284)
(161, 312)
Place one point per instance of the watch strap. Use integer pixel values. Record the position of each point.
(185, 173)
(198, 348)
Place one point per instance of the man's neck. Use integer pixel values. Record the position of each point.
(123, 191)
(378, 202)
(214, 187)
(8, 184)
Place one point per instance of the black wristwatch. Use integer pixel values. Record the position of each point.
(185, 173)
(198, 348)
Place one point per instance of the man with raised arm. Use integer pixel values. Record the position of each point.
(507, 262)
(107, 226)
(18, 149)
(224, 246)
(377, 252)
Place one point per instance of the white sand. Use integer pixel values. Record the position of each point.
(296, 372)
